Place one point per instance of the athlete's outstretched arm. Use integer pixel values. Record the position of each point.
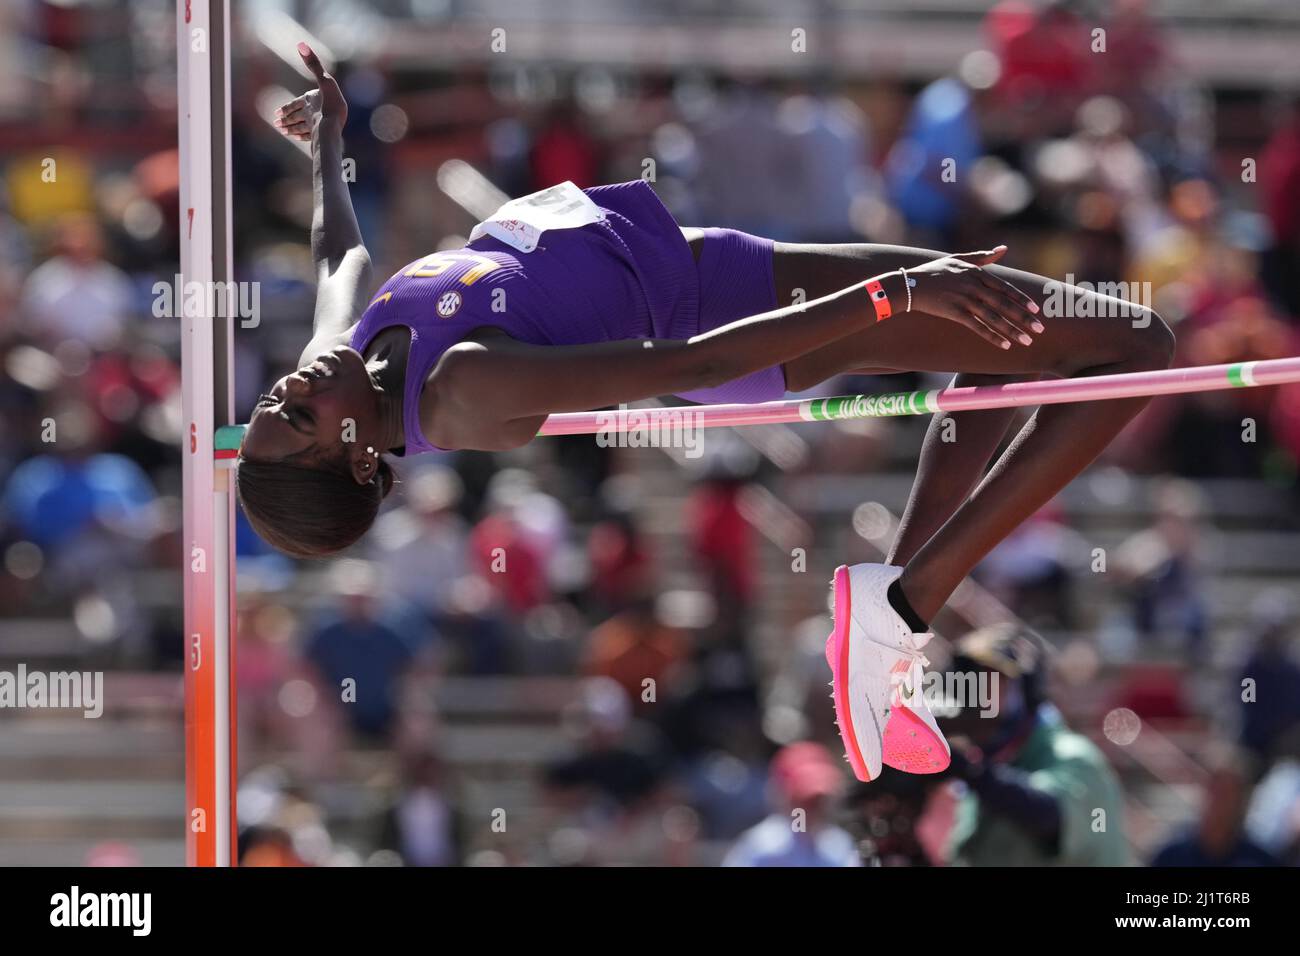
(343, 271)
(492, 379)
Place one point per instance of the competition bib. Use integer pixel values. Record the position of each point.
(521, 222)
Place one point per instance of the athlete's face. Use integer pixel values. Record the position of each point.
(303, 415)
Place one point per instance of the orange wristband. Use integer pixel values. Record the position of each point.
(879, 299)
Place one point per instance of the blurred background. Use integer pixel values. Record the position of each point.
(507, 719)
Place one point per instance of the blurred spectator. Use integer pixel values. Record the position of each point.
(891, 813)
(633, 647)
(619, 763)
(740, 157)
(267, 846)
(1267, 690)
(76, 294)
(1273, 820)
(362, 649)
(1219, 838)
(608, 799)
(620, 564)
(51, 188)
(14, 266)
(422, 548)
(54, 499)
(423, 823)
(723, 543)
(279, 824)
(1112, 165)
(805, 782)
(421, 545)
(514, 543)
(1046, 56)
(92, 519)
(1177, 242)
(1137, 53)
(1037, 793)
(1031, 569)
(113, 853)
(825, 172)
(564, 149)
(928, 189)
(1279, 178)
(1162, 569)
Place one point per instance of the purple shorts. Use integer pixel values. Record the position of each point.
(736, 281)
(679, 296)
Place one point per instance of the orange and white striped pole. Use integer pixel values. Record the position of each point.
(205, 309)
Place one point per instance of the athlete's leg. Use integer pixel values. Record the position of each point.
(954, 454)
(948, 469)
(948, 527)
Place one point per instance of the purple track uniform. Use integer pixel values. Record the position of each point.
(630, 276)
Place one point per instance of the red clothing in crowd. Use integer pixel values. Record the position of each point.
(721, 538)
(510, 562)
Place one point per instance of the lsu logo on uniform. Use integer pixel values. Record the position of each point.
(449, 304)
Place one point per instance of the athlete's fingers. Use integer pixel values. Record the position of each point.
(998, 311)
(982, 258)
(995, 323)
(1013, 293)
(292, 108)
(991, 314)
(973, 322)
(312, 61)
(1023, 299)
(293, 129)
(1011, 305)
(986, 333)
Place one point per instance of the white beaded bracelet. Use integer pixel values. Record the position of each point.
(908, 282)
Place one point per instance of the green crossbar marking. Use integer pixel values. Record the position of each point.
(1235, 376)
(228, 437)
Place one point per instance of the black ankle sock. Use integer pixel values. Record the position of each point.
(898, 601)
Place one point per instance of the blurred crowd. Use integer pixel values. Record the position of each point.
(393, 676)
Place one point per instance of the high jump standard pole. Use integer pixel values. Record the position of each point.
(207, 400)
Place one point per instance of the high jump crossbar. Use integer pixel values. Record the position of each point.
(207, 401)
(1173, 381)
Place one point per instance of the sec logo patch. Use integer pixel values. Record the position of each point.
(449, 304)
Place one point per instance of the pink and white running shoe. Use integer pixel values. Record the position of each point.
(877, 669)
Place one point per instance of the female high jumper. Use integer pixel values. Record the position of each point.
(573, 300)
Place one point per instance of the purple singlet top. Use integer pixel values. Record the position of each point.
(630, 276)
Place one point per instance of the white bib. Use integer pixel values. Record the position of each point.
(521, 222)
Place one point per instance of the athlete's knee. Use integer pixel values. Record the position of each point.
(1139, 341)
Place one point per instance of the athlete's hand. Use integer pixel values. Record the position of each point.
(959, 289)
(296, 118)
